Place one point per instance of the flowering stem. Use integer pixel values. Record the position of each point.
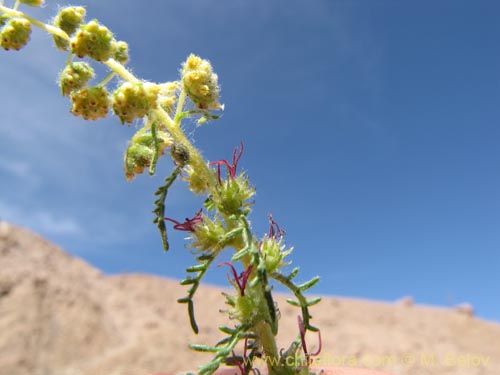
(264, 332)
(48, 28)
(174, 129)
(105, 81)
(195, 158)
(229, 198)
(120, 70)
(180, 106)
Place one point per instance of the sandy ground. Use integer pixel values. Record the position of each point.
(60, 316)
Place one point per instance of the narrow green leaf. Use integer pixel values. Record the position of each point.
(294, 273)
(192, 319)
(203, 348)
(152, 166)
(240, 254)
(308, 284)
(197, 268)
(189, 281)
(313, 301)
(227, 330)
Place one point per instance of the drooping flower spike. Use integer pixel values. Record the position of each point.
(189, 224)
(274, 229)
(302, 331)
(240, 280)
(231, 168)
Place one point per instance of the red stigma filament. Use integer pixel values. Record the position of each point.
(302, 331)
(231, 168)
(242, 279)
(239, 364)
(274, 229)
(189, 224)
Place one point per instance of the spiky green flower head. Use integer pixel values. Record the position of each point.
(200, 83)
(274, 253)
(15, 34)
(74, 76)
(121, 52)
(168, 96)
(68, 19)
(249, 308)
(93, 40)
(235, 194)
(91, 103)
(134, 100)
(207, 236)
(141, 150)
(33, 3)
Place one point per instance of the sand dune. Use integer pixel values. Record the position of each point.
(61, 316)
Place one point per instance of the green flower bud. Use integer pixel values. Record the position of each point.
(207, 236)
(140, 152)
(94, 41)
(74, 76)
(248, 309)
(274, 253)
(168, 96)
(134, 100)
(121, 52)
(200, 83)
(32, 3)
(137, 158)
(91, 103)
(68, 19)
(234, 195)
(15, 34)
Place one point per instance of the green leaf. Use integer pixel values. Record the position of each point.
(308, 284)
(159, 210)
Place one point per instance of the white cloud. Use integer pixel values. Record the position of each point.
(20, 169)
(43, 222)
(57, 224)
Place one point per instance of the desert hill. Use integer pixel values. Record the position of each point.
(61, 316)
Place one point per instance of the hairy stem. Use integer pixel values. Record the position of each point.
(48, 28)
(264, 332)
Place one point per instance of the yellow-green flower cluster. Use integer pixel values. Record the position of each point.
(200, 83)
(74, 76)
(141, 150)
(91, 103)
(134, 100)
(15, 33)
(93, 40)
(121, 52)
(68, 19)
(197, 183)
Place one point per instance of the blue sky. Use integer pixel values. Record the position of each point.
(370, 129)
